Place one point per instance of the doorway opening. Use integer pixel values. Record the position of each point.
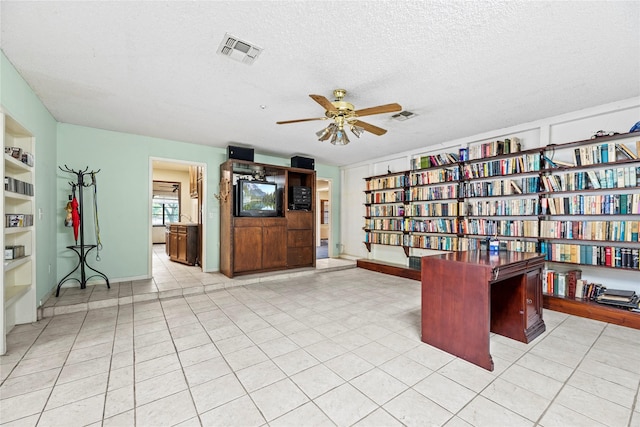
(176, 206)
(323, 218)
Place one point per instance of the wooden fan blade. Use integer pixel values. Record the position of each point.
(369, 127)
(300, 120)
(326, 104)
(388, 108)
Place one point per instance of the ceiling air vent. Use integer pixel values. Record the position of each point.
(239, 50)
(403, 115)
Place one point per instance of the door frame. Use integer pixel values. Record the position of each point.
(318, 224)
(203, 225)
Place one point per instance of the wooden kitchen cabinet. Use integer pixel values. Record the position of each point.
(183, 243)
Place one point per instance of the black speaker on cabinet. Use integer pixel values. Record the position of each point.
(303, 162)
(240, 153)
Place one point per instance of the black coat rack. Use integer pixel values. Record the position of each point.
(82, 250)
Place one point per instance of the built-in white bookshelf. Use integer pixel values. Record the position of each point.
(18, 292)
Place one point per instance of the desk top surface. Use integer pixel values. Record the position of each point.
(490, 259)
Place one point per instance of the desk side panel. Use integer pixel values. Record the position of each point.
(456, 309)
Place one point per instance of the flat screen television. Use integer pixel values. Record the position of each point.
(256, 198)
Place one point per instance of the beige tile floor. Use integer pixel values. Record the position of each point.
(338, 348)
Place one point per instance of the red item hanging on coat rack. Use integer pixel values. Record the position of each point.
(75, 218)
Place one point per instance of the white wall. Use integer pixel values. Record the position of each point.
(578, 125)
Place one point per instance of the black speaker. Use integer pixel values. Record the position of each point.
(303, 162)
(240, 153)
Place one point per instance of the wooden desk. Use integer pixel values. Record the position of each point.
(465, 295)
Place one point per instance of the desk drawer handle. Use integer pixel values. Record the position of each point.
(529, 301)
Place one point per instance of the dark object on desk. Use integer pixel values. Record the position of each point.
(466, 295)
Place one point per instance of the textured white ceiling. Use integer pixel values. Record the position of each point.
(151, 68)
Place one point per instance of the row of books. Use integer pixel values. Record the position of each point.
(441, 243)
(520, 164)
(608, 256)
(19, 154)
(602, 153)
(387, 196)
(441, 225)
(571, 285)
(435, 176)
(17, 186)
(502, 187)
(18, 220)
(384, 238)
(621, 231)
(384, 210)
(434, 160)
(490, 227)
(387, 224)
(448, 191)
(383, 183)
(597, 204)
(436, 209)
(494, 148)
(562, 284)
(621, 177)
(503, 207)
(14, 252)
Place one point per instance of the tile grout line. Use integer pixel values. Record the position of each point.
(565, 382)
(61, 368)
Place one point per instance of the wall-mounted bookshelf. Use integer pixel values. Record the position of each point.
(578, 203)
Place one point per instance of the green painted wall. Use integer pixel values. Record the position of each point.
(123, 183)
(22, 104)
(123, 196)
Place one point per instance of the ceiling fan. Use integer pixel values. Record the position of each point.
(344, 114)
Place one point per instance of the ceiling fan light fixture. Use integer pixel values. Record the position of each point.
(357, 130)
(327, 132)
(340, 138)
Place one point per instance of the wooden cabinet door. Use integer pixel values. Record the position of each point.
(300, 257)
(274, 246)
(182, 247)
(300, 220)
(173, 245)
(247, 249)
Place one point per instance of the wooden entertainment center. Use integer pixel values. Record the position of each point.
(276, 241)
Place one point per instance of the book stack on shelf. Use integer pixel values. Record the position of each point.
(563, 284)
(434, 160)
(494, 148)
(619, 298)
(570, 285)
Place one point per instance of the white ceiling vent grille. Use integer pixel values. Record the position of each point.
(403, 115)
(238, 50)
